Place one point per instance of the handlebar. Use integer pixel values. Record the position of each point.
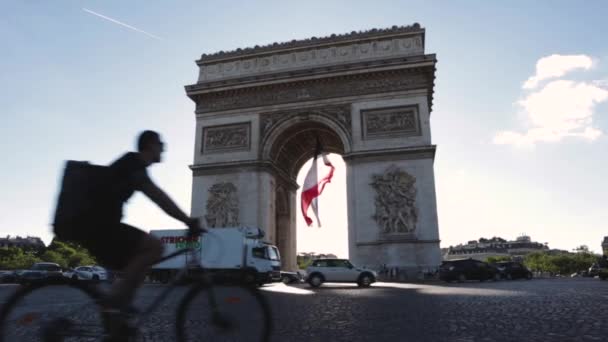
(195, 227)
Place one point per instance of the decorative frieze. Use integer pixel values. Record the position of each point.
(390, 122)
(226, 138)
(395, 201)
(317, 89)
(222, 206)
(338, 113)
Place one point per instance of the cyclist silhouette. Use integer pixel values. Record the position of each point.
(117, 245)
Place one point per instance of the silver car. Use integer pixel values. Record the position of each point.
(90, 273)
(338, 271)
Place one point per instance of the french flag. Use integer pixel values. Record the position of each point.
(313, 186)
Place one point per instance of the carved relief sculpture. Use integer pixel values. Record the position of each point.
(222, 206)
(395, 201)
(226, 137)
(380, 123)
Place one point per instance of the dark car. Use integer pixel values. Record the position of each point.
(513, 270)
(594, 270)
(31, 277)
(44, 271)
(467, 269)
(8, 277)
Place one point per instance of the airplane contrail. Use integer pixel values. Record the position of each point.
(123, 24)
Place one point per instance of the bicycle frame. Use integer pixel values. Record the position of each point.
(181, 275)
(202, 281)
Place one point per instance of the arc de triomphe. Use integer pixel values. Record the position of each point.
(366, 95)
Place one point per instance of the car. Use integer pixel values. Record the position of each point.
(603, 273)
(49, 271)
(594, 270)
(88, 273)
(338, 271)
(467, 269)
(513, 270)
(291, 277)
(8, 277)
(27, 277)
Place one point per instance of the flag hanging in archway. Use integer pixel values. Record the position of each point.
(313, 186)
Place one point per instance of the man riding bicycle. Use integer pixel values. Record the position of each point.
(119, 246)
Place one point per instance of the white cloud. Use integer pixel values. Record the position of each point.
(557, 66)
(562, 108)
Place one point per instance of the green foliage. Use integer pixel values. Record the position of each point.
(495, 259)
(560, 263)
(304, 261)
(63, 253)
(16, 258)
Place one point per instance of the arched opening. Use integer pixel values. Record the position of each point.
(291, 152)
(332, 236)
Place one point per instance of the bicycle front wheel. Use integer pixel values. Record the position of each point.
(223, 313)
(51, 313)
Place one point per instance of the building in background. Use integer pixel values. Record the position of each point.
(494, 247)
(28, 242)
(605, 245)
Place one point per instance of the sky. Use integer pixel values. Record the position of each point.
(520, 109)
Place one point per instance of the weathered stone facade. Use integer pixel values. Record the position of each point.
(366, 95)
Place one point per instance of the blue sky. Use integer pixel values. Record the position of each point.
(511, 159)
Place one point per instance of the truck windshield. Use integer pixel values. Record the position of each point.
(259, 252)
(273, 254)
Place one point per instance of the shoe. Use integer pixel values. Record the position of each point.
(117, 326)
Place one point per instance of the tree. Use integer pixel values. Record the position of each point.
(65, 254)
(69, 254)
(16, 258)
(582, 249)
(560, 263)
(498, 258)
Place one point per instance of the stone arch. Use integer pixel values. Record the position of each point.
(291, 142)
(367, 95)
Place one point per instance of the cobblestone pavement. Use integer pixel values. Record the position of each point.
(536, 310)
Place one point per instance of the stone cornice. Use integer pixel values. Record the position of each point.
(406, 153)
(309, 73)
(315, 54)
(311, 42)
(240, 166)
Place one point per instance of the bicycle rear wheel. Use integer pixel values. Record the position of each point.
(223, 313)
(67, 312)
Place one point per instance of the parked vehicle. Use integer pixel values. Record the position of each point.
(594, 270)
(43, 271)
(467, 269)
(8, 277)
(513, 270)
(88, 273)
(291, 277)
(338, 270)
(236, 253)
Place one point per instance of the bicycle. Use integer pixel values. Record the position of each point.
(223, 300)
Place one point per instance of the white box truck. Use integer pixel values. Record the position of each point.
(235, 253)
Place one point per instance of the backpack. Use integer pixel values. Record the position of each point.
(86, 196)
